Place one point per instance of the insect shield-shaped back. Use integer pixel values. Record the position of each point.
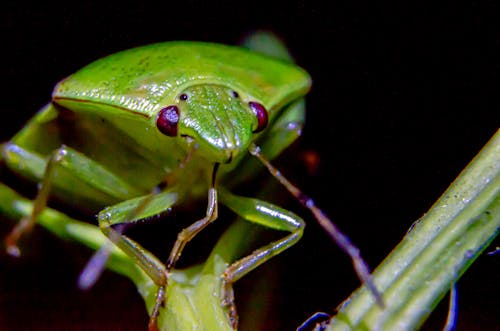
(131, 88)
(220, 120)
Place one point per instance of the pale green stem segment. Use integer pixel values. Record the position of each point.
(436, 251)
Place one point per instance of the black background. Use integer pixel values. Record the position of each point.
(403, 97)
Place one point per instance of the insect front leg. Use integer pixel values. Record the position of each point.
(113, 218)
(27, 223)
(62, 171)
(268, 215)
(191, 231)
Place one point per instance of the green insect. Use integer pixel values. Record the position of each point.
(138, 132)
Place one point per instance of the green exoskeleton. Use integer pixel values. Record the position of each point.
(138, 132)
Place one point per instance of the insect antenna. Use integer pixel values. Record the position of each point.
(342, 241)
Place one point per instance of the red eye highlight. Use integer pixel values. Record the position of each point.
(167, 121)
(261, 114)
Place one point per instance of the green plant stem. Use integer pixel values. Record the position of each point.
(436, 251)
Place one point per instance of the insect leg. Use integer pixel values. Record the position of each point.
(188, 233)
(339, 237)
(154, 268)
(268, 215)
(114, 217)
(63, 172)
(40, 202)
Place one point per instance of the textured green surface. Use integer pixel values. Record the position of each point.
(435, 253)
(147, 78)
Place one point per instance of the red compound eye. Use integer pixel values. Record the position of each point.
(167, 121)
(261, 114)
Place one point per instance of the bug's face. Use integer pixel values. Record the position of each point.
(220, 120)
